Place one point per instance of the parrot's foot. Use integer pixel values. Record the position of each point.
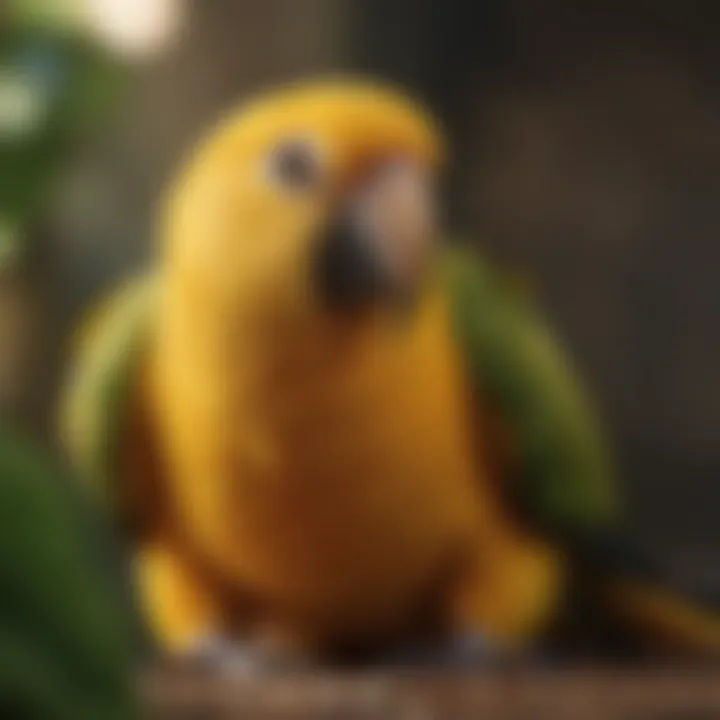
(235, 657)
(219, 653)
(466, 650)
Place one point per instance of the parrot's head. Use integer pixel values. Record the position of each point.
(316, 199)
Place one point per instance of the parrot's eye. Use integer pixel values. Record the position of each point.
(295, 165)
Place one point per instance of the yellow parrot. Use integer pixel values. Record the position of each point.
(328, 433)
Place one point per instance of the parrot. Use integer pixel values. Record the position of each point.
(63, 645)
(331, 432)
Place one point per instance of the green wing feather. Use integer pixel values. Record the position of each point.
(566, 482)
(96, 403)
(566, 478)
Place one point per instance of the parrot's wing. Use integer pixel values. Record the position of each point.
(64, 636)
(560, 476)
(564, 477)
(100, 407)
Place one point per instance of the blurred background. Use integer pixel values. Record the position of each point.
(586, 144)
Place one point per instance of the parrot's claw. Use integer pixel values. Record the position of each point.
(225, 655)
(246, 659)
(234, 657)
(466, 650)
(460, 651)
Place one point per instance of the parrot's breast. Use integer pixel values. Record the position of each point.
(345, 495)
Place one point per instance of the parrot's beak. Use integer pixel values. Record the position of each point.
(376, 246)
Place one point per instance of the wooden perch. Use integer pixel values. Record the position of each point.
(592, 694)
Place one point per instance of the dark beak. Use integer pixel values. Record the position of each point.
(376, 245)
(348, 276)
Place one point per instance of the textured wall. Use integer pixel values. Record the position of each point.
(601, 174)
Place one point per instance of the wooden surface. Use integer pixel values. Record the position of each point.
(581, 693)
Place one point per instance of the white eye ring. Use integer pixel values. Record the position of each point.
(295, 164)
